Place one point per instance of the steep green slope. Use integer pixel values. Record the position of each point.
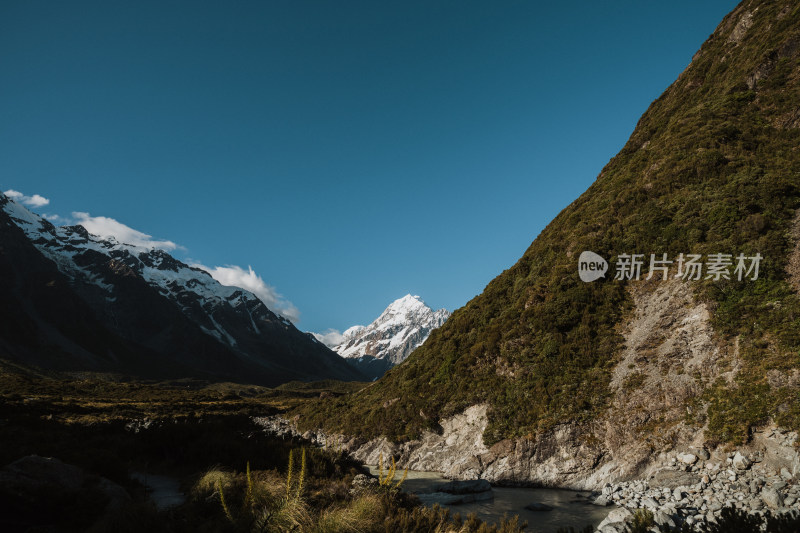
(713, 166)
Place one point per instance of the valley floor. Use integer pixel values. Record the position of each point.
(77, 454)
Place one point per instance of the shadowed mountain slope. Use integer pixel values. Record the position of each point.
(73, 301)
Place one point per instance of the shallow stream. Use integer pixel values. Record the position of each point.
(570, 508)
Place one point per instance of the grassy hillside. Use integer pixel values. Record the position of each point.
(713, 166)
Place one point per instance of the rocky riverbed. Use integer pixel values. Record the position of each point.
(694, 486)
(686, 484)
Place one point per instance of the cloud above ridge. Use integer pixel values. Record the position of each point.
(35, 200)
(236, 276)
(330, 337)
(108, 227)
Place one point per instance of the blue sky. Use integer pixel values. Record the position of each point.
(349, 152)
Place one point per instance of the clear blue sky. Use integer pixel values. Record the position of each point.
(350, 152)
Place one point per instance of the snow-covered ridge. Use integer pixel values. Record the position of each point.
(76, 252)
(399, 330)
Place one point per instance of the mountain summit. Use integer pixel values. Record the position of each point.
(75, 301)
(390, 339)
(572, 382)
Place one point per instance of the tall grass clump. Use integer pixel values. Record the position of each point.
(387, 479)
(261, 501)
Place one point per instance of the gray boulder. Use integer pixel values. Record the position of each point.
(650, 503)
(43, 488)
(672, 479)
(602, 501)
(687, 458)
(740, 462)
(771, 498)
(33, 474)
(615, 521)
(663, 519)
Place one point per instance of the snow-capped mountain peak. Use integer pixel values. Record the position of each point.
(406, 306)
(352, 331)
(389, 340)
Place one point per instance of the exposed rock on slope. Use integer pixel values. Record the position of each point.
(793, 265)
(671, 350)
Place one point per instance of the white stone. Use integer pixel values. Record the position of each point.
(771, 498)
(687, 458)
(740, 462)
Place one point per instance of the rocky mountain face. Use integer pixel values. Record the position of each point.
(544, 378)
(390, 339)
(75, 301)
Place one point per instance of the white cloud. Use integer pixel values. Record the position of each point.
(235, 276)
(33, 201)
(108, 227)
(330, 338)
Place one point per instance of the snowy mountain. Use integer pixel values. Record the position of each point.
(171, 312)
(398, 331)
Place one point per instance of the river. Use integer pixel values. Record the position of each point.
(570, 508)
(164, 492)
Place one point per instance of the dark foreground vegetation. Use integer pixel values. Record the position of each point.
(235, 477)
